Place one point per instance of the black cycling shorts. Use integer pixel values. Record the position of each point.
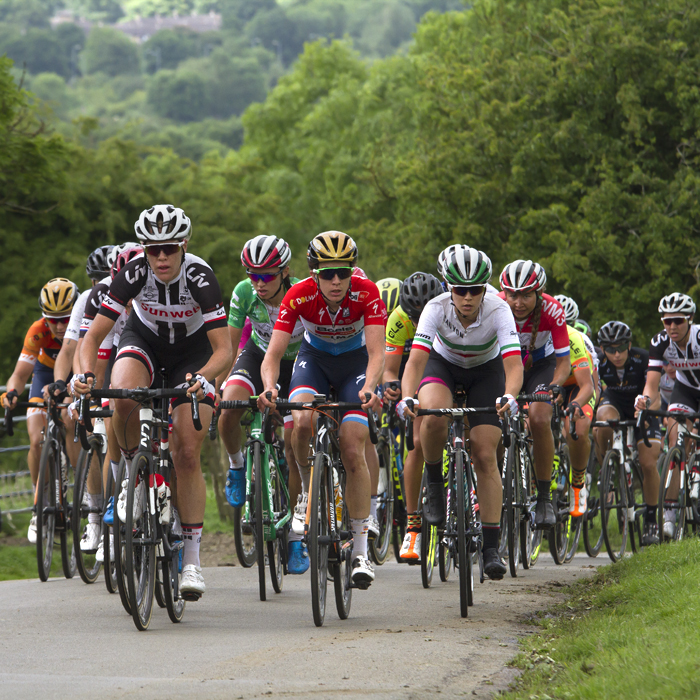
(483, 385)
(540, 375)
(190, 355)
(626, 412)
(246, 373)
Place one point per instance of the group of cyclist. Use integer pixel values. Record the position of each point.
(155, 313)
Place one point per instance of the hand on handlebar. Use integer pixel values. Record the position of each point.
(9, 399)
(199, 385)
(556, 393)
(82, 383)
(575, 408)
(507, 406)
(641, 402)
(374, 401)
(392, 391)
(265, 402)
(404, 411)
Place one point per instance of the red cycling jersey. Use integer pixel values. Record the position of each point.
(335, 333)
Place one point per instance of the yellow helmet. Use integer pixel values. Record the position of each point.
(332, 246)
(57, 297)
(389, 290)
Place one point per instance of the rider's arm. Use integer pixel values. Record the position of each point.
(651, 387)
(584, 379)
(513, 366)
(23, 370)
(562, 369)
(270, 367)
(374, 340)
(392, 365)
(92, 341)
(222, 354)
(64, 361)
(413, 372)
(235, 336)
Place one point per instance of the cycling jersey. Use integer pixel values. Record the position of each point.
(686, 362)
(76, 316)
(245, 303)
(40, 345)
(92, 308)
(336, 333)
(551, 334)
(172, 311)
(492, 333)
(624, 384)
(580, 358)
(400, 331)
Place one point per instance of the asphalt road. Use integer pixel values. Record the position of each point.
(65, 639)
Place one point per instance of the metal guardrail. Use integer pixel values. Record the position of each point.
(16, 480)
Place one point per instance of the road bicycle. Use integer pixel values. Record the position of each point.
(378, 547)
(54, 491)
(267, 511)
(327, 528)
(592, 520)
(149, 543)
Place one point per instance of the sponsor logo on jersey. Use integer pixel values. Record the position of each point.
(301, 300)
(199, 279)
(138, 271)
(555, 311)
(359, 296)
(165, 313)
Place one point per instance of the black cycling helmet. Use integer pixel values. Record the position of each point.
(416, 291)
(98, 262)
(614, 332)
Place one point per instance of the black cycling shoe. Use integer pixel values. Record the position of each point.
(544, 515)
(651, 534)
(494, 566)
(434, 506)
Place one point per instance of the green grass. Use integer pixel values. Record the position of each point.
(633, 631)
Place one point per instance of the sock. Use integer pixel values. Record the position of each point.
(434, 470)
(359, 536)
(192, 536)
(236, 460)
(544, 489)
(650, 514)
(578, 480)
(95, 500)
(492, 533)
(293, 536)
(414, 522)
(305, 473)
(373, 507)
(114, 466)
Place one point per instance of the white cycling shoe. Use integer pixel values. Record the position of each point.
(139, 501)
(192, 582)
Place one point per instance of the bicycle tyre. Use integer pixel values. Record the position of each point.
(558, 536)
(46, 501)
(244, 536)
(318, 530)
(428, 539)
(342, 571)
(109, 564)
(511, 501)
(159, 587)
(592, 525)
(444, 560)
(174, 603)
(278, 546)
(529, 537)
(88, 566)
(258, 517)
(400, 522)
(464, 558)
(613, 500)
(120, 542)
(672, 465)
(140, 547)
(379, 546)
(68, 555)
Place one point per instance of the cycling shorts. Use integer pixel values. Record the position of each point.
(246, 373)
(570, 394)
(188, 357)
(540, 375)
(315, 372)
(42, 375)
(626, 412)
(483, 384)
(684, 399)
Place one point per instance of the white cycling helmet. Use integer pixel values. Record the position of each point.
(117, 250)
(523, 276)
(570, 308)
(677, 303)
(163, 223)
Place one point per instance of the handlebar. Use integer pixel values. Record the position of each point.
(9, 424)
(570, 412)
(662, 414)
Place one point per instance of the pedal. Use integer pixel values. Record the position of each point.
(362, 585)
(190, 596)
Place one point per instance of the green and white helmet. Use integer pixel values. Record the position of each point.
(464, 265)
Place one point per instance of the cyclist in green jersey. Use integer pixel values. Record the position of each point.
(258, 298)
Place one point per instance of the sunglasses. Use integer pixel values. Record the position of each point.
(615, 349)
(167, 248)
(56, 321)
(328, 273)
(255, 277)
(474, 290)
(674, 321)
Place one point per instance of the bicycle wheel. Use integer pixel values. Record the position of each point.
(400, 523)
(158, 589)
(170, 573)
(277, 548)
(530, 538)
(558, 535)
(319, 536)
(463, 517)
(244, 536)
(342, 570)
(66, 477)
(89, 462)
(512, 498)
(379, 546)
(139, 544)
(46, 509)
(119, 532)
(671, 511)
(444, 560)
(109, 563)
(592, 522)
(258, 517)
(613, 500)
(428, 540)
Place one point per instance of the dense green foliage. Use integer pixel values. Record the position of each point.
(563, 130)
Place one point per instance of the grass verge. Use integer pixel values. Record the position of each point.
(630, 632)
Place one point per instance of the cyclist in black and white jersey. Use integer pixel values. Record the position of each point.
(178, 323)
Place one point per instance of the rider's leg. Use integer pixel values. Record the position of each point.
(128, 373)
(484, 443)
(36, 423)
(540, 420)
(603, 436)
(353, 435)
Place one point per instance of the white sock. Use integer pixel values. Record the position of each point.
(95, 500)
(115, 468)
(192, 537)
(236, 460)
(359, 536)
(373, 507)
(294, 537)
(305, 473)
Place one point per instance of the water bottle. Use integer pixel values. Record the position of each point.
(694, 484)
(163, 497)
(338, 492)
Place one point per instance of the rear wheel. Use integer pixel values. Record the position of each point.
(277, 548)
(109, 564)
(530, 538)
(379, 546)
(89, 465)
(559, 534)
(140, 545)
(613, 497)
(170, 574)
(342, 571)
(119, 553)
(319, 536)
(66, 477)
(592, 521)
(398, 531)
(46, 509)
(671, 510)
(258, 517)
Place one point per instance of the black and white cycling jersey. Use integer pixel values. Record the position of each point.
(686, 362)
(172, 311)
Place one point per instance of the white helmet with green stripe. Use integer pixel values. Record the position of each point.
(462, 265)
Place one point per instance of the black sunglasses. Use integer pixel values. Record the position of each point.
(474, 290)
(328, 273)
(167, 248)
(615, 349)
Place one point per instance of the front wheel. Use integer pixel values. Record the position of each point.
(170, 574)
(379, 546)
(464, 555)
(258, 517)
(342, 571)
(110, 567)
(119, 553)
(613, 500)
(89, 465)
(277, 548)
(46, 509)
(428, 540)
(671, 510)
(512, 500)
(319, 536)
(561, 532)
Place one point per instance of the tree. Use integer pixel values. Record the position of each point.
(169, 47)
(110, 52)
(40, 50)
(178, 95)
